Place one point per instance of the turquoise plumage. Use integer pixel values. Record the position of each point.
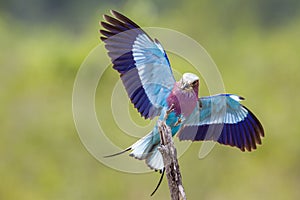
(147, 76)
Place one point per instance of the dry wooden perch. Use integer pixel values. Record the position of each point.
(169, 154)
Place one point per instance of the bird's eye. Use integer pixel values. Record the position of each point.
(194, 83)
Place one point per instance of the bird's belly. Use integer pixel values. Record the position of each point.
(173, 121)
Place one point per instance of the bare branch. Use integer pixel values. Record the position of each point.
(169, 154)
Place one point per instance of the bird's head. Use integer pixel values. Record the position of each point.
(189, 82)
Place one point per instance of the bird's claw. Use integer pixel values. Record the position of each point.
(169, 111)
(178, 121)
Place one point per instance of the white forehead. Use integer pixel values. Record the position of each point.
(189, 77)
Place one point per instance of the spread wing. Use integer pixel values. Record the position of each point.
(142, 63)
(223, 119)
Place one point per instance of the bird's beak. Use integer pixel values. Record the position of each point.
(186, 86)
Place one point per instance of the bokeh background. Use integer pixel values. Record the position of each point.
(255, 44)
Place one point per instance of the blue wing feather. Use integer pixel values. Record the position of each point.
(223, 119)
(142, 63)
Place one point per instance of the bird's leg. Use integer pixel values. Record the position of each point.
(178, 121)
(169, 111)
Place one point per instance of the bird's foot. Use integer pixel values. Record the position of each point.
(178, 121)
(169, 111)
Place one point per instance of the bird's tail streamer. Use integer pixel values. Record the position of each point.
(119, 153)
(147, 149)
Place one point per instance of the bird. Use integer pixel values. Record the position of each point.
(146, 73)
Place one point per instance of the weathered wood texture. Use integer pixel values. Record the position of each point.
(169, 154)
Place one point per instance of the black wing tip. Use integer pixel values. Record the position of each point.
(109, 19)
(242, 98)
(123, 18)
(118, 18)
(106, 17)
(103, 23)
(247, 145)
(115, 24)
(242, 149)
(103, 38)
(259, 126)
(105, 33)
(115, 13)
(257, 133)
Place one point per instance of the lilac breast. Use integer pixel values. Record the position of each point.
(184, 101)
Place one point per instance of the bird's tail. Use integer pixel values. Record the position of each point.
(146, 149)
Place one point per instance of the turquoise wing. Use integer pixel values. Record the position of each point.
(223, 119)
(142, 63)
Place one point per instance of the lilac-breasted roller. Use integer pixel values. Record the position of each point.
(146, 73)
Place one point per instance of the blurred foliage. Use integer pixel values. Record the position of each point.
(254, 43)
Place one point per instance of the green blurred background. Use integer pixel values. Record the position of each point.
(255, 44)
